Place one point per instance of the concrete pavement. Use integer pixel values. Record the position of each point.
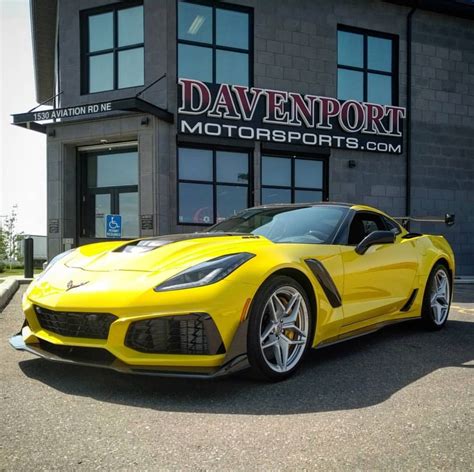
(400, 399)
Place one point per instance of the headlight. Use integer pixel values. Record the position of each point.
(53, 261)
(206, 273)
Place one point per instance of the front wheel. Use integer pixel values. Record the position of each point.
(437, 298)
(280, 328)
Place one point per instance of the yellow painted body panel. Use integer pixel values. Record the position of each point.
(374, 287)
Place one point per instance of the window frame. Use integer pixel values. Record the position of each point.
(86, 54)
(293, 188)
(213, 45)
(342, 237)
(85, 218)
(215, 183)
(394, 74)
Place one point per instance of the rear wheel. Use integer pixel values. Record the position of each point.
(437, 298)
(280, 328)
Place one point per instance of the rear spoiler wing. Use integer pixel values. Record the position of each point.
(448, 219)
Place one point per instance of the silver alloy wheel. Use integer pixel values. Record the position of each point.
(284, 329)
(440, 297)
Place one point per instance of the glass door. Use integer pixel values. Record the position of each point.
(109, 185)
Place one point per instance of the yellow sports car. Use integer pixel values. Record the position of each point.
(256, 290)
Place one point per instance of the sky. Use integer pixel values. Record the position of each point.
(22, 152)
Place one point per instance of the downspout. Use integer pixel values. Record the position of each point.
(408, 132)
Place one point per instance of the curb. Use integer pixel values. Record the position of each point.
(8, 288)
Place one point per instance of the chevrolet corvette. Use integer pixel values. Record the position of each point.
(257, 290)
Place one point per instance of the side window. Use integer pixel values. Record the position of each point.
(362, 225)
(392, 226)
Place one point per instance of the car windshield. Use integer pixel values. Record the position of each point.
(304, 225)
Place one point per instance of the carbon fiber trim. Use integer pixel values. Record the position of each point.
(326, 282)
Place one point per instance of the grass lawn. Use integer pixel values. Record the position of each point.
(9, 272)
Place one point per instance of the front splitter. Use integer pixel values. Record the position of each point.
(236, 364)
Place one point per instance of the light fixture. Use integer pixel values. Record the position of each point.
(196, 24)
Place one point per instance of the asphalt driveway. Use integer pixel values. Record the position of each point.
(399, 399)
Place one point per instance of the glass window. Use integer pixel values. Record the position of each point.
(292, 179)
(306, 225)
(230, 200)
(109, 186)
(350, 49)
(275, 195)
(195, 22)
(379, 89)
(350, 85)
(232, 167)
(195, 62)
(308, 196)
(130, 68)
(365, 70)
(308, 173)
(276, 171)
(112, 169)
(101, 72)
(217, 53)
(225, 192)
(128, 205)
(130, 26)
(109, 61)
(232, 28)
(232, 68)
(362, 225)
(195, 164)
(101, 32)
(195, 203)
(102, 208)
(379, 54)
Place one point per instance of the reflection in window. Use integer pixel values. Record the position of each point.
(114, 54)
(213, 184)
(365, 69)
(222, 57)
(291, 180)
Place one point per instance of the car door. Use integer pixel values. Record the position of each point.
(379, 282)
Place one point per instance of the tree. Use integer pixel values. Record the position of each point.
(3, 246)
(10, 237)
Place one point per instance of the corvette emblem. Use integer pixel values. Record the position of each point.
(70, 285)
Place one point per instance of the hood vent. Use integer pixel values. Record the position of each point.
(146, 245)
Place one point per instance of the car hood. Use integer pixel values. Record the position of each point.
(161, 253)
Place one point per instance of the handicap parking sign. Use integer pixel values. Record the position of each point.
(113, 226)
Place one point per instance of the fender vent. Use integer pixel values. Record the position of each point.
(410, 301)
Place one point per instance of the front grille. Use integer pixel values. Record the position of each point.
(88, 355)
(184, 334)
(76, 325)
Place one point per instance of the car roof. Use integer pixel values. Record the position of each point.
(354, 206)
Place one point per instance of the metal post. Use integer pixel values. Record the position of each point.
(28, 258)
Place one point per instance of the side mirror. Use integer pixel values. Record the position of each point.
(376, 237)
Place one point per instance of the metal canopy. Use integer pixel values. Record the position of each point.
(32, 119)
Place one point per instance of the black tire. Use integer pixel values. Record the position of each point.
(260, 319)
(433, 305)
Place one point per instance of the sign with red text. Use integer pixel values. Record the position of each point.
(252, 113)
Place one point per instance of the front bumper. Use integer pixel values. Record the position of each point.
(236, 358)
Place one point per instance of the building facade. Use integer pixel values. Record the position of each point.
(175, 114)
